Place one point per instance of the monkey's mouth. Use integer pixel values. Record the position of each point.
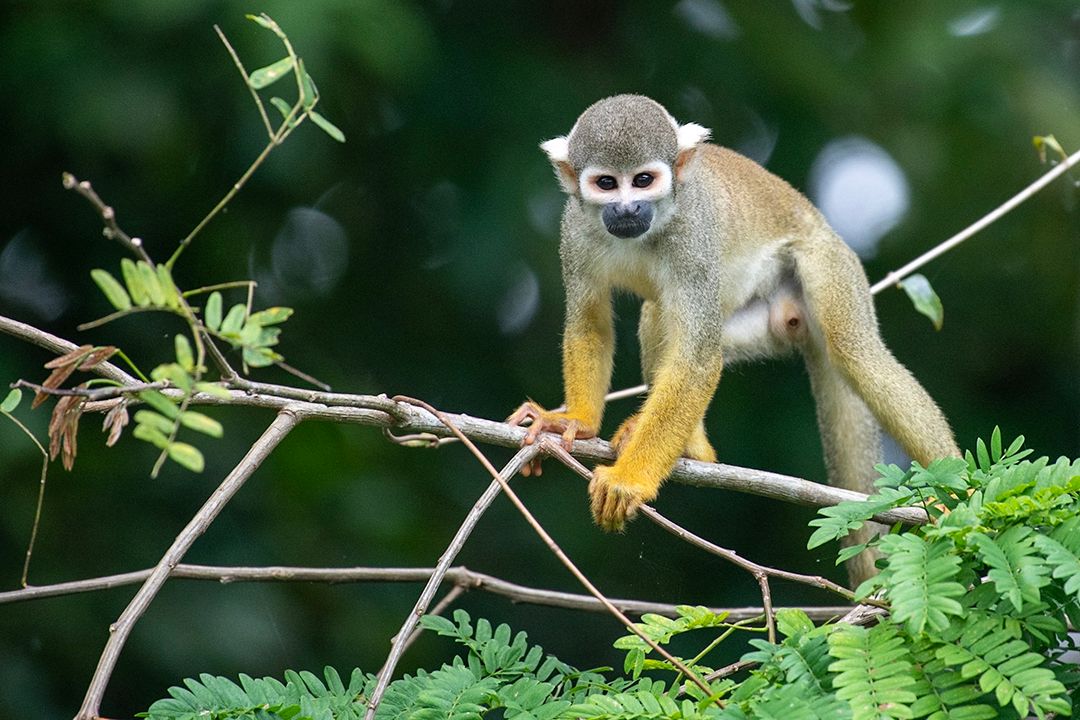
(627, 229)
(628, 221)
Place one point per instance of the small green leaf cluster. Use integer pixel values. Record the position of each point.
(661, 630)
(263, 77)
(145, 286)
(253, 333)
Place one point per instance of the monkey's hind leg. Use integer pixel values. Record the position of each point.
(651, 338)
(698, 447)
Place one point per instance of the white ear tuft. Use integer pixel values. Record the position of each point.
(691, 134)
(557, 149)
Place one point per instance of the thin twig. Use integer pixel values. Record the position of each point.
(40, 498)
(991, 217)
(381, 411)
(397, 649)
(92, 394)
(244, 74)
(736, 559)
(275, 140)
(553, 546)
(108, 215)
(440, 608)
(285, 421)
(60, 346)
(459, 575)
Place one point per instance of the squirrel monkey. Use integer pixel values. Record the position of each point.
(733, 264)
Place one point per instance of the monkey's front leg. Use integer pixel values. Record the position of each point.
(681, 391)
(588, 349)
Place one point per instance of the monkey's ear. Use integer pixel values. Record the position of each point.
(690, 136)
(558, 152)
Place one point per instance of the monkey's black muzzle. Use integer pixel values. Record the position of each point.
(628, 220)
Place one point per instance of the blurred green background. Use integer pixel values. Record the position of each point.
(421, 259)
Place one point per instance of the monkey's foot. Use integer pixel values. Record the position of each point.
(539, 420)
(697, 448)
(614, 500)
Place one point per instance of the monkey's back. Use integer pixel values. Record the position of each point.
(743, 184)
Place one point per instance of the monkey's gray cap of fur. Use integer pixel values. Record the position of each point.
(625, 132)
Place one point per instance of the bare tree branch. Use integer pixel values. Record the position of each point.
(459, 576)
(285, 421)
(60, 346)
(523, 457)
(552, 546)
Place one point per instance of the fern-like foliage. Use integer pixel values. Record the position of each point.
(919, 578)
(989, 649)
(303, 696)
(980, 600)
(872, 672)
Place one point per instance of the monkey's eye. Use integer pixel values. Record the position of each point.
(606, 182)
(643, 180)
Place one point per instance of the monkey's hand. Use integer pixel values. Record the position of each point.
(570, 425)
(615, 499)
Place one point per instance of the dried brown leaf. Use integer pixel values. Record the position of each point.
(61, 367)
(64, 428)
(97, 357)
(72, 357)
(115, 421)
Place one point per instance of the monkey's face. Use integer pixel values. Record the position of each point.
(628, 203)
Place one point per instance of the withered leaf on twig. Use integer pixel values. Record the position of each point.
(61, 367)
(64, 428)
(86, 357)
(115, 420)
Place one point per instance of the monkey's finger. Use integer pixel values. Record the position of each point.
(525, 411)
(570, 434)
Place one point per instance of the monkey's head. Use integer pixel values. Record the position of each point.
(624, 157)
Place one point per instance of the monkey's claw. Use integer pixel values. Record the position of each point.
(615, 501)
(539, 420)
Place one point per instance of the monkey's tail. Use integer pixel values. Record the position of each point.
(851, 440)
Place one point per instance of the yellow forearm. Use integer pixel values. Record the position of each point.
(677, 401)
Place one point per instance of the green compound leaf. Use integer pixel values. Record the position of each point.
(154, 420)
(150, 434)
(11, 401)
(215, 389)
(159, 402)
(168, 287)
(184, 355)
(186, 456)
(270, 74)
(234, 320)
(213, 311)
(201, 423)
(327, 127)
(150, 279)
(111, 287)
(283, 107)
(925, 300)
(133, 280)
(271, 316)
(309, 95)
